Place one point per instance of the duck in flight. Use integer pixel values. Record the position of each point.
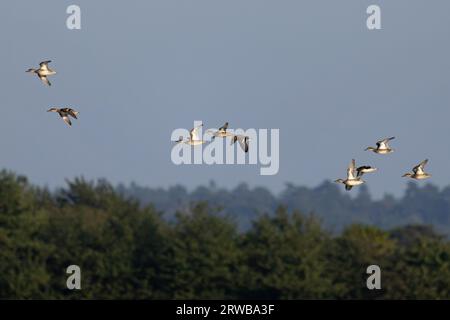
(221, 133)
(65, 113)
(243, 141)
(418, 172)
(43, 72)
(382, 146)
(352, 178)
(194, 137)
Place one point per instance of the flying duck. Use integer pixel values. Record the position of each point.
(43, 72)
(221, 133)
(194, 138)
(243, 141)
(418, 172)
(352, 179)
(382, 146)
(65, 113)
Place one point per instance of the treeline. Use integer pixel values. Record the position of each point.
(129, 251)
(336, 208)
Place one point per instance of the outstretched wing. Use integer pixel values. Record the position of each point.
(419, 169)
(360, 170)
(45, 80)
(351, 170)
(194, 134)
(240, 139)
(243, 142)
(67, 120)
(73, 113)
(224, 127)
(384, 144)
(44, 64)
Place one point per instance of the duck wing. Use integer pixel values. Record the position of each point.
(420, 167)
(194, 133)
(243, 142)
(72, 113)
(67, 120)
(224, 127)
(45, 80)
(44, 64)
(351, 170)
(236, 137)
(360, 170)
(384, 144)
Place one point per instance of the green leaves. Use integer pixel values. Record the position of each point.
(205, 253)
(285, 258)
(127, 251)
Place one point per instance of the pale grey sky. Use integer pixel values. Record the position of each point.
(139, 69)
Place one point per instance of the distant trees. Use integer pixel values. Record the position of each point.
(129, 250)
(336, 208)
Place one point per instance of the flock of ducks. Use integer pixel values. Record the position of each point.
(354, 174)
(195, 139)
(43, 72)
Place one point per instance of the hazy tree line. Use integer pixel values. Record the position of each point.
(131, 251)
(336, 208)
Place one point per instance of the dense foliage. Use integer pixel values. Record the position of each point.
(129, 251)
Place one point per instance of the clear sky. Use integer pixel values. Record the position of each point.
(139, 69)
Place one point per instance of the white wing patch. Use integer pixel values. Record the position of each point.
(194, 134)
(45, 80)
(67, 120)
(351, 170)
